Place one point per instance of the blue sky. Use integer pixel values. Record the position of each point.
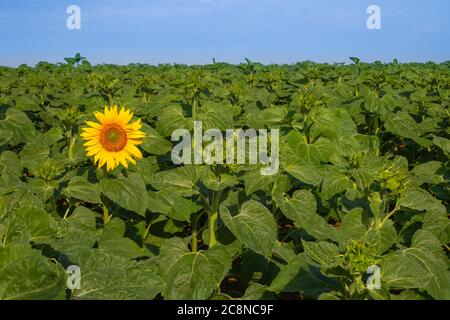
(195, 31)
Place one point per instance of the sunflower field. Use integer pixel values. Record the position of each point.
(88, 184)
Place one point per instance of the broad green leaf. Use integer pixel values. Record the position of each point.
(304, 173)
(254, 181)
(302, 209)
(403, 125)
(153, 142)
(442, 143)
(322, 254)
(172, 205)
(77, 234)
(289, 272)
(10, 164)
(333, 122)
(419, 199)
(20, 126)
(422, 266)
(123, 247)
(170, 119)
(427, 173)
(180, 180)
(111, 277)
(254, 291)
(80, 188)
(254, 225)
(45, 190)
(29, 224)
(28, 275)
(334, 183)
(192, 275)
(266, 117)
(356, 226)
(33, 155)
(217, 182)
(215, 116)
(130, 193)
(438, 224)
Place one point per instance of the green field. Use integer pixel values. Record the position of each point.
(362, 181)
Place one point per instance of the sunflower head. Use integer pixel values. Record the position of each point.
(113, 140)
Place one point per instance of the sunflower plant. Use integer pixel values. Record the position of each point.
(113, 140)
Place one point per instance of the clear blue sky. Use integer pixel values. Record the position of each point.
(195, 31)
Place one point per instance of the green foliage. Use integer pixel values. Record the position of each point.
(363, 181)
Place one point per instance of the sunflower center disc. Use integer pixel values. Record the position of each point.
(113, 135)
(114, 138)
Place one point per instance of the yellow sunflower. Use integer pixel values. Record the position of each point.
(113, 141)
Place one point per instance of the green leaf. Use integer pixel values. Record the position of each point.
(180, 180)
(333, 123)
(29, 224)
(442, 143)
(27, 275)
(111, 277)
(170, 119)
(20, 126)
(129, 193)
(322, 254)
(358, 227)
(254, 291)
(33, 155)
(76, 234)
(419, 199)
(266, 117)
(302, 209)
(438, 224)
(192, 275)
(304, 173)
(254, 225)
(334, 183)
(403, 125)
(422, 266)
(254, 181)
(123, 247)
(288, 273)
(45, 190)
(219, 182)
(172, 205)
(80, 188)
(10, 164)
(153, 142)
(215, 116)
(427, 172)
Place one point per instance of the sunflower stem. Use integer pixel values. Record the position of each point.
(67, 211)
(213, 215)
(194, 232)
(212, 229)
(194, 109)
(147, 231)
(106, 216)
(72, 143)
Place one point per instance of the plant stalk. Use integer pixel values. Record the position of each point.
(106, 216)
(194, 109)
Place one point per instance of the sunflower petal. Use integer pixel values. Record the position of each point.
(130, 148)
